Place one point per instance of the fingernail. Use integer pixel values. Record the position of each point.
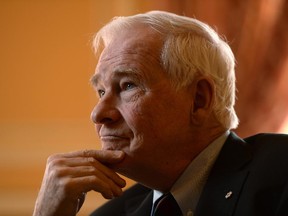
(122, 183)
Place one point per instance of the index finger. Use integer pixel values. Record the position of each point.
(103, 156)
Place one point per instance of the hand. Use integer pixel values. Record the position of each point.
(68, 176)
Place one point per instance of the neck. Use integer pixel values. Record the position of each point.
(181, 161)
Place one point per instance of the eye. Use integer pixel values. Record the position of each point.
(128, 86)
(101, 92)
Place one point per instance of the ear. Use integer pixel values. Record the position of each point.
(203, 100)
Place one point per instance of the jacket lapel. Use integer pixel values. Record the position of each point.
(227, 177)
(140, 205)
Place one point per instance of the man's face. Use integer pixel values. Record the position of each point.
(139, 111)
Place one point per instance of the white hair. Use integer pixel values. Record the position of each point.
(190, 48)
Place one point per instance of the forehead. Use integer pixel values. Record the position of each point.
(136, 49)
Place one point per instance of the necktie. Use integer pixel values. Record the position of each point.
(166, 206)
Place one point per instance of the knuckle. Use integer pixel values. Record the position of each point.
(86, 153)
(92, 170)
(66, 186)
(54, 158)
(55, 162)
(89, 170)
(51, 158)
(56, 173)
(91, 160)
(93, 179)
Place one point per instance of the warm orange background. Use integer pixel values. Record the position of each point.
(45, 96)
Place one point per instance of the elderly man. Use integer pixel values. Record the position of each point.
(166, 88)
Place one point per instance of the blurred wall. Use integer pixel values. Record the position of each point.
(45, 96)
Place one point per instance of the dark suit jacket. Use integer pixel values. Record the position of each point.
(253, 170)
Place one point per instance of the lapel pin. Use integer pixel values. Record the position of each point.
(228, 195)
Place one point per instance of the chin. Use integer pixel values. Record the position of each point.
(123, 167)
(115, 146)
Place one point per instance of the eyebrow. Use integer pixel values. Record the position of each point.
(94, 80)
(119, 72)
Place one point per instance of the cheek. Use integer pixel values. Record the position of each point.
(139, 118)
(135, 118)
(135, 115)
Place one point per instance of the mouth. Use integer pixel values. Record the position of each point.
(112, 142)
(113, 138)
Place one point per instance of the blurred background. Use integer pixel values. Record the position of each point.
(47, 60)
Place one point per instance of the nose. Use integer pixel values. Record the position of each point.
(105, 112)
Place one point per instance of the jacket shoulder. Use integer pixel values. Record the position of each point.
(268, 138)
(273, 144)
